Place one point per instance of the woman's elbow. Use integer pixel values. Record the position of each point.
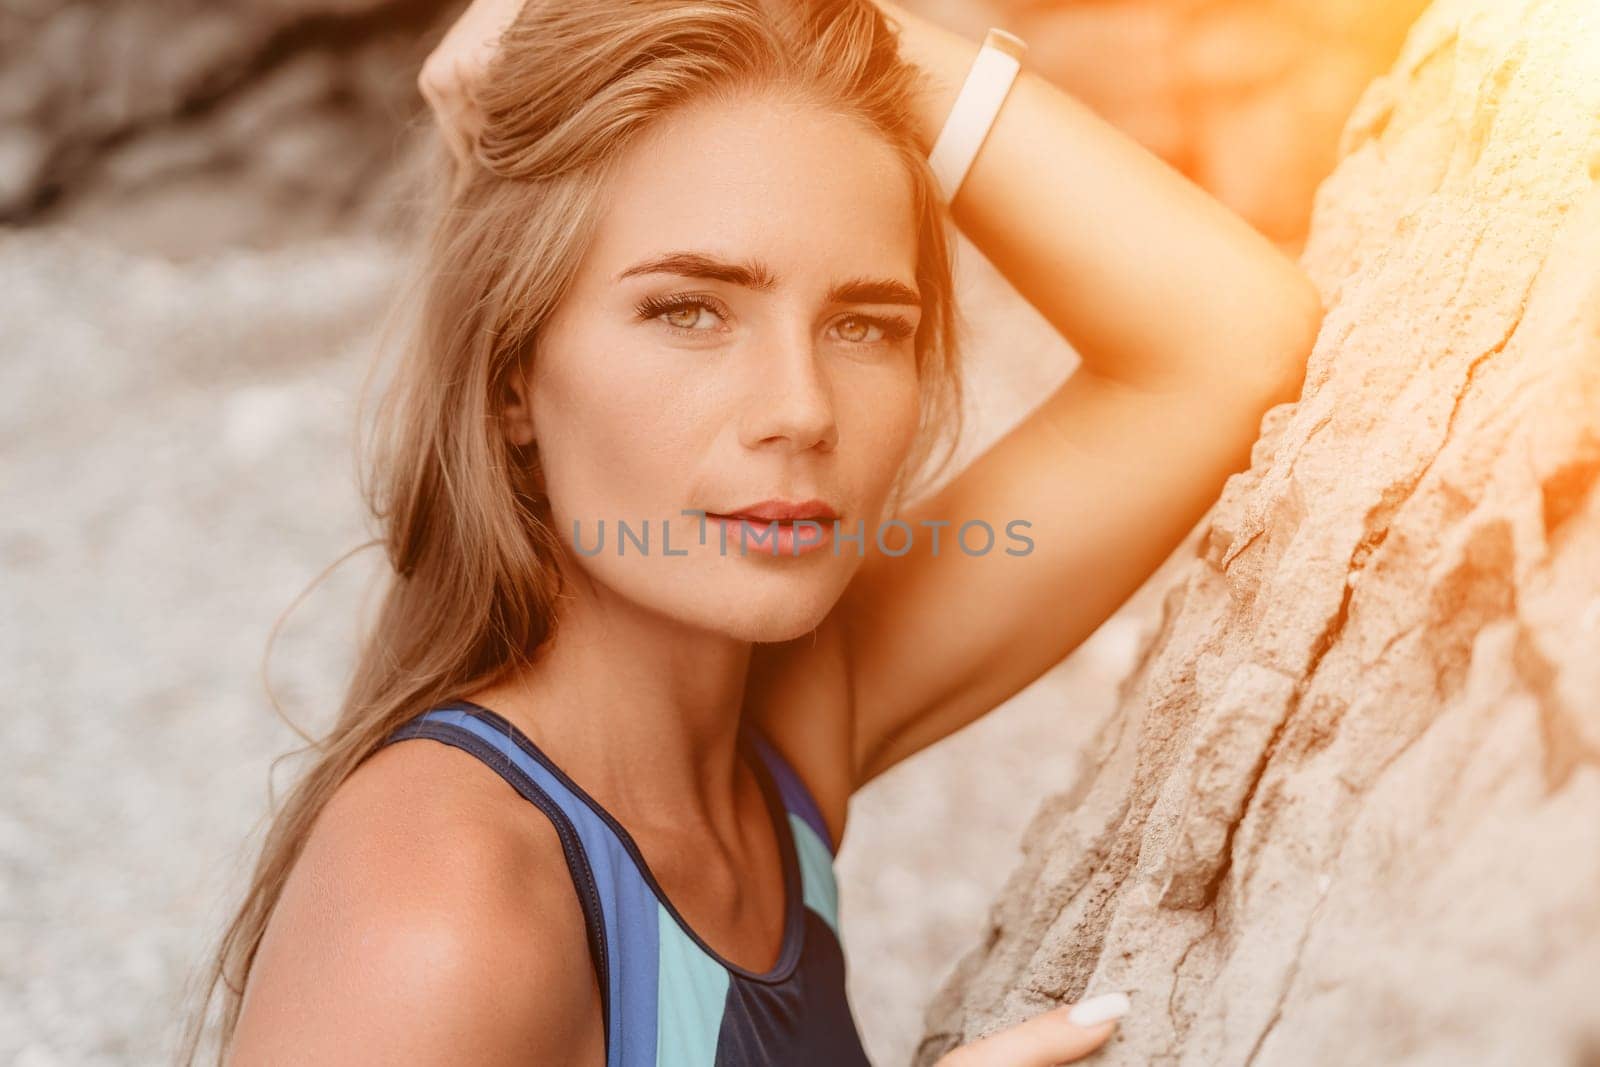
(1286, 366)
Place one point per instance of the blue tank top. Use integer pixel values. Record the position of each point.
(669, 1000)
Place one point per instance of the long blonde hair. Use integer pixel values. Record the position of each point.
(459, 509)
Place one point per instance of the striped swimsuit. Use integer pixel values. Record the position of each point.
(668, 999)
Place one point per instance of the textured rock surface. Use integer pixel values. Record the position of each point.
(179, 126)
(1346, 811)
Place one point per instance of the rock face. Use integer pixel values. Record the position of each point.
(181, 127)
(1348, 811)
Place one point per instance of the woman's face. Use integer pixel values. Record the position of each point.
(770, 359)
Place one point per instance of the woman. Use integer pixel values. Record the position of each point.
(693, 279)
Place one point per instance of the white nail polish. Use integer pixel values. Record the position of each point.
(1098, 1009)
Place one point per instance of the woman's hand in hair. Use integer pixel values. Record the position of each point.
(1045, 1040)
(455, 66)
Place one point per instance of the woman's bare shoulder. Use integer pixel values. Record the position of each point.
(430, 919)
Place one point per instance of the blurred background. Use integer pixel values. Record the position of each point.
(203, 216)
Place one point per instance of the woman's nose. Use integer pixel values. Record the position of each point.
(790, 399)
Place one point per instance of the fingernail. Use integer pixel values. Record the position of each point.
(1099, 1009)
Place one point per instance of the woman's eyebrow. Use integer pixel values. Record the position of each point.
(754, 274)
(874, 291)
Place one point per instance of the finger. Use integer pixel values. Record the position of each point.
(1047, 1039)
(454, 125)
(452, 115)
(465, 118)
(456, 64)
(1043, 1041)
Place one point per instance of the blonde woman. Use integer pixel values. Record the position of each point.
(666, 591)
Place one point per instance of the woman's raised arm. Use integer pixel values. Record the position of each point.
(1153, 281)
(1190, 324)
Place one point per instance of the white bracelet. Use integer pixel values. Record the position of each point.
(974, 111)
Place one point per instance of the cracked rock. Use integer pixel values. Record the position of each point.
(1346, 810)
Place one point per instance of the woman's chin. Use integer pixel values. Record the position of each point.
(771, 614)
(777, 628)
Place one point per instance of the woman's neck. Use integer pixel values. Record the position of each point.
(640, 709)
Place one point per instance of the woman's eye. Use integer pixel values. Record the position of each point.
(685, 316)
(868, 330)
(692, 315)
(856, 328)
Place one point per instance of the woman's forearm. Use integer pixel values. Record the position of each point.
(1152, 280)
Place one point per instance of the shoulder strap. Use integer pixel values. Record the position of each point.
(796, 797)
(812, 843)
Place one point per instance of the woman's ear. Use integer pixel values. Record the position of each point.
(516, 412)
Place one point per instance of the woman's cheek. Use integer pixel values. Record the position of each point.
(890, 414)
(910, 414)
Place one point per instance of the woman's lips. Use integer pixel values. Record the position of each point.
(775, 537)
(778, 510)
